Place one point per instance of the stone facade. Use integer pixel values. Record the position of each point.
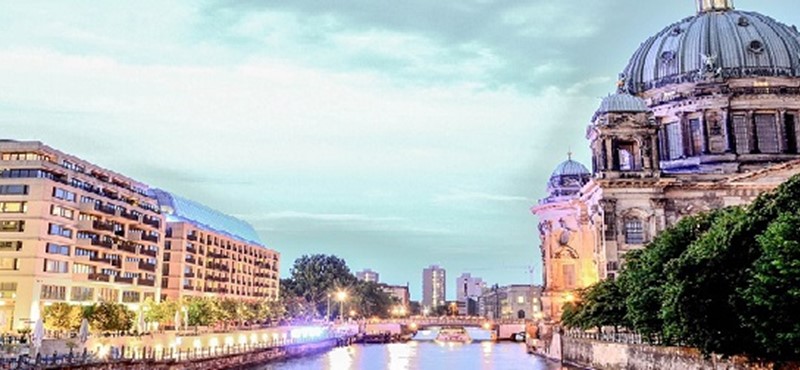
(664, 148)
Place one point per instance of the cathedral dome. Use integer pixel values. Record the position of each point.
(718, 42)
(622, 103)
(567, 179)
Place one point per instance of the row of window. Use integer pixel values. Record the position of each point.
(12, 226)
(25, 156)
(82, 294)
(13, 207)
(13, 189)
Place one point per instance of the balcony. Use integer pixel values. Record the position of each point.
(103, 226)
(88, 207)
(191, 237)
(123, 280)
(130, 216)
(147, 266)
(99, 277)
(109, 210)
(150, 238)
(188, 275)
(216, 255)
(190, 259)
(127, 247)
(101, 259)
(154, 222)
(191, 249)
(105, 243)
(149, 252)
(188, 287)
(146, 282)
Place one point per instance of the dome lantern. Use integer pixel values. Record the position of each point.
(704, 6)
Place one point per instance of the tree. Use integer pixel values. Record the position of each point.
(62, 317)
(109, 317)
(774, 290)
(643, 279)
(314, 277)
(200, 312)
(368, 300)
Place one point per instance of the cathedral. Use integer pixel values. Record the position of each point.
(705, 116)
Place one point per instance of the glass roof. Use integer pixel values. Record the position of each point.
(181, 209)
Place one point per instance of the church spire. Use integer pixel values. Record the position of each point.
(704, 6)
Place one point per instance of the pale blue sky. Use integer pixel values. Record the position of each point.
(393, 134)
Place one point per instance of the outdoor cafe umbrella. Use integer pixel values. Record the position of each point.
(83, 333)
(38, 333)
(185, 318)
(177, 320)
(141, 326)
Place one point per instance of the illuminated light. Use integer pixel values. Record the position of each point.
(242, 339)
(197, 343)
(413, 326)
(103, 352)
(341, 295)
(47, 304)
(253, 338)
(229, 341)
(214, 342)
(265, 337)
(159, 348)
(178, 341)
(134, 307)
(487, 326)
(569, 297)
(275, 336)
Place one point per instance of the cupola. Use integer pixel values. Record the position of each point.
(704, 6)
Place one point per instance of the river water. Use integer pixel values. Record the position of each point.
(420, 356)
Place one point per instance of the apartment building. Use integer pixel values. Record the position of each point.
(71, 231)
(434, 287)
(208, 253)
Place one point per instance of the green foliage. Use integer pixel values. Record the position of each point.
(111, 317)
(370, 300)
(643, 281)
(315, 277)
(726, 282)
(774, 290)
(200, 311)
(62, 317)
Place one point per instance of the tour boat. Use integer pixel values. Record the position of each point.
(453, 335)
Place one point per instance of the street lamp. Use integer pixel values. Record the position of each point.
(341, 296)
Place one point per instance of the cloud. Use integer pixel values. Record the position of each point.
(459, 196)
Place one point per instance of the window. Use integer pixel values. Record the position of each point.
(60, 211)
(9, 264)
(12, 226)
(10, 245)
(625, 158)
(25, 156)
(697, 136)
(634, 231)
(569, 276)
(55, 292)
(675, 140)
(610, 224)
(57, 249)
(81, 294)
(521, 299)
(767, 133)
(8, 290)
(59, 230)
(790, 130)
(109, 295)
(62, 194)
(131, 297)
(58, 267)
(13, 189)
(25, 174)
(741, 134)
(79, 268)
(13, 207)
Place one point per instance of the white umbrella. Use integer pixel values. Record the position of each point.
(83, 333)
(38, 333)
(177, 320)
(185, 318)
(142, 327)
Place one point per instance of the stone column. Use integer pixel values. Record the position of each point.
(780, 120)
(751, 132)
(727, 130)
(704, 131)
(609, 155)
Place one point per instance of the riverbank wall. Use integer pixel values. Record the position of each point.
(602, 355)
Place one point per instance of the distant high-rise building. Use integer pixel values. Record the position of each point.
(433, 287)
(467, 287)
(368, 275)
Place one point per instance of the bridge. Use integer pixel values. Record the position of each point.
(502, 328)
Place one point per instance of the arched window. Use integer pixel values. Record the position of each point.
(634, 231)
(521, 314)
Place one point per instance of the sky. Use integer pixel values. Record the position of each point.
(394, 134)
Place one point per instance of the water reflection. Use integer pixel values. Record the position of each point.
(420, 356)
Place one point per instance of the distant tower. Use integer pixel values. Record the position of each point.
(368, 276)
(433, 287)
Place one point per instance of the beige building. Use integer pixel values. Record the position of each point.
(399, 293)
(434, 287)
(208, 253)
(706, 116)
(73, 232)
(511, 302)
(368, 276)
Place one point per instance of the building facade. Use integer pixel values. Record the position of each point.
(434, 287)
(208, 253)
(511, 302)
(705, 116)
(71, 231)
(368, 276)
(400, 293)
(468, 288)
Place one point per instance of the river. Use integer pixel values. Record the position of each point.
(420, 356)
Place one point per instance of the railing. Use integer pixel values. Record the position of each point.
(624, 337)
(147, 266)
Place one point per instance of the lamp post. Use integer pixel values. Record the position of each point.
(341, 296)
